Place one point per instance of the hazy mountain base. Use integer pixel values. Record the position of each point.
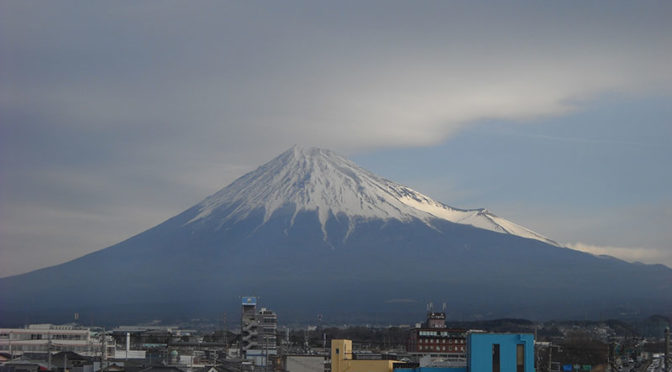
(382, 272)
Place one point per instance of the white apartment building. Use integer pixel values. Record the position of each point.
(41, 338)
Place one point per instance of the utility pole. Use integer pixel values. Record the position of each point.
(263, 335)
(667, 350)
(240, 340)
(226, 333)
(103, 351)
(49, 351)
(612, 355)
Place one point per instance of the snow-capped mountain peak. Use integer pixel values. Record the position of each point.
(313, 179)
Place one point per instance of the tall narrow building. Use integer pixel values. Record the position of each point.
(248, 325)
(268, 321)
(258, 332)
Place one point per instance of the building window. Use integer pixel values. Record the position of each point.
(495, 358)
(520, 358)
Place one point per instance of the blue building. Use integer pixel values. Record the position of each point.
(500, 352)
(492, 352)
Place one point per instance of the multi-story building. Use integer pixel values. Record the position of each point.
(249, 327)
(43, 338)
(258, 332)
(267, 335)
(500, 352)
(343, 359)
(433, 338)
(486, 352)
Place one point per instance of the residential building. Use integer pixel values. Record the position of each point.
(43, 338)
(258, 332)
(248, 324)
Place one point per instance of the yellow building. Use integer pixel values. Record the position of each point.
(342, 361)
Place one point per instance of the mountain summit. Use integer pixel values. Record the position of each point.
(313, 179)
(310, 232)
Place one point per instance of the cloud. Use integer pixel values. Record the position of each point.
(631, 232)
(342, 76)
(631, 254)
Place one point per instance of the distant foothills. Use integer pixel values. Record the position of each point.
(313, 233)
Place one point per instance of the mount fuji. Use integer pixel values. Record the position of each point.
(320, 181)
(312, 233)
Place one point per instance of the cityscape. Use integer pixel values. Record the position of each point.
(259, 343)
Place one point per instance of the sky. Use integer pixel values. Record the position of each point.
(115, 116)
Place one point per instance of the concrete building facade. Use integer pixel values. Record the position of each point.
(434, 339)
(248, 324)
(486, 352)
(43, 338)
(342, 360)
(500, 352)
(301, 363)
(258, 332)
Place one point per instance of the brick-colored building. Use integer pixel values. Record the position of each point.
(433, 337)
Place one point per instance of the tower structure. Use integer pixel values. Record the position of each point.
(248, 325)
(258, 332)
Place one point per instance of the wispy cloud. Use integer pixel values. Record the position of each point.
(396, 75)
(630, 254)
(576, 139)
(632, 233)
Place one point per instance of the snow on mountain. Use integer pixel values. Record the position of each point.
(312, 179)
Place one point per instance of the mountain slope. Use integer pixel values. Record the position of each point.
(320, 180)
(310, 232)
